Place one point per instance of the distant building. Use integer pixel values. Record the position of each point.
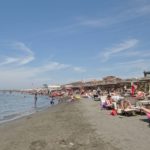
(54, 87)
(111, 79)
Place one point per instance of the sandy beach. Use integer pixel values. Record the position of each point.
(77, 126)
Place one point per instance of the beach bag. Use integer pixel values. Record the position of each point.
(113, 112)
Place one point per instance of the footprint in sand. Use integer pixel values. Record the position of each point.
(38, 145)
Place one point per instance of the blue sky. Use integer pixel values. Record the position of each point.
(60, 41)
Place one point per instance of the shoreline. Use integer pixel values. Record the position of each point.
(76, 125)
(27, 116)
(17, 106)
(16, 116)
(60, 127)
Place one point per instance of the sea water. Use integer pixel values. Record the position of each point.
(15, 105)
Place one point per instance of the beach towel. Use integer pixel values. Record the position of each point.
(148, 115)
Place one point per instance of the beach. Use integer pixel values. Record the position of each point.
(77, 126)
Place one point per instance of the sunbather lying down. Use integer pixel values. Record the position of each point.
(126, 108)
(145, 110)
(125, 104)
(140, 95)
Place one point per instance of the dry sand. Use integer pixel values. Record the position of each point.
(75, 126)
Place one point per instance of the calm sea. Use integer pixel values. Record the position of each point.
(16, 105)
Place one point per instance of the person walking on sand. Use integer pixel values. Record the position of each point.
(35, 99)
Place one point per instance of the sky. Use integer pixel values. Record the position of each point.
(62, 41)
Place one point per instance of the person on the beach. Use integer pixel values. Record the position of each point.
(72, 98)
(110, 103)
(125, 88)
(35, 99)
(125, 104)
(133, 89)
(52, 100)
(98, 91)
(140, 95)
(145, 110)
(95, 94)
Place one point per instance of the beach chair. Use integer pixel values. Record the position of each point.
(97, 98)
(129, 111)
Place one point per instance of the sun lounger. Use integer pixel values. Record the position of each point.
(142, 102)
(130, 111)
(97, 98)
(148, 97)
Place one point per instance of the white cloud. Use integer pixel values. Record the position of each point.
(139, 64)
(132, 53)
(127, 69)
(55, 66)
(24, 76)
(145, 53)
(52, 66)
(19, 60)
(8, 60)
(145, 9)
(93, 22)
(138, 10)
(132, 62)
(32, 71)
(22, 46)
(26, 60)
(79, 69)
(15, 71)
(134, 68)
(124, 46)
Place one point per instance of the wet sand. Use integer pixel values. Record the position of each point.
(76, 126)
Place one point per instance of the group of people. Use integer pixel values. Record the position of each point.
(52, 98)
(118, 106)
(112, 103)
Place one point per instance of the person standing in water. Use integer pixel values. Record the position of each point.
(35, 99)
(52, 100)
